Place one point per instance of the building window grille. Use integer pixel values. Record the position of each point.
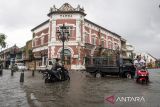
(69, 29)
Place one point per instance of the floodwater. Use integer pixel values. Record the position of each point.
(81, 91)
(87, 91)
(12, 93)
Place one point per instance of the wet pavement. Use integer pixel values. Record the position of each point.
(12, 93)
(80, 91)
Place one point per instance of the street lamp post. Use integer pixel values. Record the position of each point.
(63, 34)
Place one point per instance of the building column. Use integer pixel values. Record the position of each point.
(43, 61)
(53, 37)
(78, 30)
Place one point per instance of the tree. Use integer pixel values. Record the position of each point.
(2, 40)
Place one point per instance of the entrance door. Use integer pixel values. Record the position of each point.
(67, 58)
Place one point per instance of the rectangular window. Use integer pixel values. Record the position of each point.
(102, 43)
(86, 38)
(68, 29)
(93, 41)
(46, 39)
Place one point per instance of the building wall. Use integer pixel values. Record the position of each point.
(40, 38)
(92, 32)
(82, 32)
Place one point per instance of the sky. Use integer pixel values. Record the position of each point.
(138, 21)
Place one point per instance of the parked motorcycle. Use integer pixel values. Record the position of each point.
(142, 76)
(61, 74)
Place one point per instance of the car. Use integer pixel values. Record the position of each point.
(21, 66)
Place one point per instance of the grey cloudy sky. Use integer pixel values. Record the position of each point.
(138, 21)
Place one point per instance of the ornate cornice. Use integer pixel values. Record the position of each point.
(66, 8)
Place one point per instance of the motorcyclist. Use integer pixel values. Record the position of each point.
(56, 69)
(139, 63)
(57, 64)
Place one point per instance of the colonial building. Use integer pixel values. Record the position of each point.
(10, 55)
(85, 38)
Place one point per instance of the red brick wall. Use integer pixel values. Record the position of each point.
(45, 40)
(37, 42)
(62, 21)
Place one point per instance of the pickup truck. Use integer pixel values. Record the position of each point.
(101, 66)
(48, 66)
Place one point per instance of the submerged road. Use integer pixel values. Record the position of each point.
(80, 91)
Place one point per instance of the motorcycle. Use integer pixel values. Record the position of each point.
(142, 76)
(61, 74)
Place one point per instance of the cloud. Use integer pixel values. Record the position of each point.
(136, 20)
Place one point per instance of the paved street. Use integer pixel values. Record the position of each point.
(12, 93)
(81, 90)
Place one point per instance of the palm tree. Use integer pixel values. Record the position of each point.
(2, 40)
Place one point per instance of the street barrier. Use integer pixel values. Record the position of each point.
(12, 72)
(33, 73)
(22, 76)
(1, 72)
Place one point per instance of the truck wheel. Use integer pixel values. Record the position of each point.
(98, 75)
(128, 75)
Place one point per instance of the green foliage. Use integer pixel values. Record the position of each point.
(2, 40)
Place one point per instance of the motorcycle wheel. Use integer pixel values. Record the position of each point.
(137, 80)
(46, 80)
(128, 75)
(98, 75)
(143, 81)
(68, 78)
